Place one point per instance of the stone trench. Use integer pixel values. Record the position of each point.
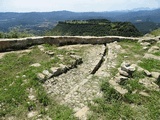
(79, 86)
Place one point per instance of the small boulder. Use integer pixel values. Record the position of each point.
(36, 65)
(41, 77)
(154, 49)
(47, 73)
(77, 58)
(127, 68)
(32, 114)
(144, 94)
(51, 53)
(56, 71)
(41, 48)
(120, 79)
(63, 67)
(147, 73)
(145, 48)
(123, 73)
(156, 75)
(61, 57)
(150, 56)
(145, 44)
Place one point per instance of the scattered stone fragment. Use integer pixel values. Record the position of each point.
(47, 73)
(150, 56)
(154, 49)
(156, 75)
(77, 58)
(36, 65)
(145, 44)
(82, 113)
(123, 73)
(127, 68)
(147, 73)
(41, 77)
(51, 53)
(144, 94)
(149, 83)
(61, 57)
(32, 114)
(32, 97)
(145, 48)
(121, 79)
(23, 76)
(63, 67)
(17, 76)
(56, 71)
(10, 118)
(41, 48)
(140, 69)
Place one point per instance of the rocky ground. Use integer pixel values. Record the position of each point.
(78, 84)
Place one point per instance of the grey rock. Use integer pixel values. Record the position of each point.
(32, 114)
(120, 79)
(36, 65)
(61, 57)
(77, 58)
(149, 83)
(140, 69)
(150, 56)
(56, 71)
(154, 49)
(50, 53)
(145, 48)
(156, 75)
(32, 97)
(127, 68)
(147, 73)
(63, 67)
(117, 87)
(41, 48)
(41, 77)
(23, 76)
(123, 73)
(47, 73)
(144, 94)
(145, 44)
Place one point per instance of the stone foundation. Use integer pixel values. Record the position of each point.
(22, 43)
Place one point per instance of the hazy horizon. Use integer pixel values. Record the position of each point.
(76, 5)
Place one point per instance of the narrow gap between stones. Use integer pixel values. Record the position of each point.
(96, 68)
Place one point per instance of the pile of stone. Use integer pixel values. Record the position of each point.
(125, 72)
(56, 71)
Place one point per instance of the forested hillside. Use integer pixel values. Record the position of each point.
(94, 27)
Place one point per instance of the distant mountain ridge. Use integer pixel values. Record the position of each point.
(41, 21)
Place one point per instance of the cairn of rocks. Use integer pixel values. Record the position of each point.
(125, 72)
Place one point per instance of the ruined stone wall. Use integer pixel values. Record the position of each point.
(22, 43)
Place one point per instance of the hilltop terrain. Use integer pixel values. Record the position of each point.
(118, 79)
(95, 27)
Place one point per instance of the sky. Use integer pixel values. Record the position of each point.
(75, 5)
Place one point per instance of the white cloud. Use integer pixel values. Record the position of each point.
(75, 5)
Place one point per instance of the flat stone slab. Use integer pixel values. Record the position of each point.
(150, 56)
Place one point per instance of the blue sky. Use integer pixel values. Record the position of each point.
(75, 5)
